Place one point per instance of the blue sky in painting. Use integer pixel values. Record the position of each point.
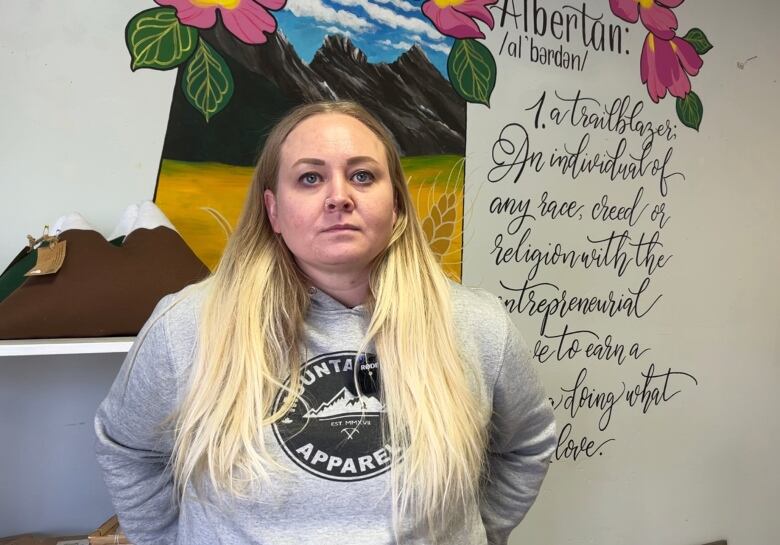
(382, 29)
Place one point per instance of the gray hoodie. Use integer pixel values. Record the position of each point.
(335, 489)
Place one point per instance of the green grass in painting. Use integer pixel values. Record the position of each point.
(173, 167)
(430, 169)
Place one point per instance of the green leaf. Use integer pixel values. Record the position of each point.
(207, 81)
(698, 40)
(156, 39)
(472, 71)
(690, 110)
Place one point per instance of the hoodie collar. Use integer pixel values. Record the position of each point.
(321, 301)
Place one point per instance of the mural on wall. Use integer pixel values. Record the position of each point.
(667, 60)
(242, 64)
(586, 166)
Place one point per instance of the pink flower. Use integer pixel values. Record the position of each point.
(248, 20)
(456, 17)
(655, 14)
(665, 64)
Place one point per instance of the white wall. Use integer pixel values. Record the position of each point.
(49, 479)
(702, 465)
(80, 131)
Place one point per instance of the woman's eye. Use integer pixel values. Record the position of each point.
(363, 177)
(310, 178)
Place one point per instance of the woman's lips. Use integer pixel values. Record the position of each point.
(340, 227)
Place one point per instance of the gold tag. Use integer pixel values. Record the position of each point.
(50, 259)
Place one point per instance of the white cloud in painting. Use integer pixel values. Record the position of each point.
(326, 14)
(336, 30)
(442, 48)
(400, 4)
(394, 20)
(405, 46)
(397, 45)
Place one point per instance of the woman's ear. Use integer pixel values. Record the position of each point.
(269, 200)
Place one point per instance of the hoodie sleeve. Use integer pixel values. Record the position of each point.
(522, 440)
(133, 448)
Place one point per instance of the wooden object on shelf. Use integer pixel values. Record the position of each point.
(37, 539)
(109, 533)
(107, 528)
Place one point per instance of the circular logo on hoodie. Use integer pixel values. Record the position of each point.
(331, 431)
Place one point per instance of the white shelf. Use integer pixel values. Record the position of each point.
(53, 347)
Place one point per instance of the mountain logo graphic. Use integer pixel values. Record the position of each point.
(347, 404)
(331, 431)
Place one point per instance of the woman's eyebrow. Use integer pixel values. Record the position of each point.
(309, 161)
(361, 159)
(351, 161)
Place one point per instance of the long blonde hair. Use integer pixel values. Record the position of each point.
(250, 331)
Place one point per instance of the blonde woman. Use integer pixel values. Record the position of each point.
(327, 384)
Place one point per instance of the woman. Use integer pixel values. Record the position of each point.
(251, 408)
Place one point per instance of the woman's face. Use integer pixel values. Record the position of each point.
(334, 204)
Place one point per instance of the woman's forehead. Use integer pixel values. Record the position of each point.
(331, 136)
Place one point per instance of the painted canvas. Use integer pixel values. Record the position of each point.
(241, 65)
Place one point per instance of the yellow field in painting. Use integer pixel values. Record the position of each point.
(186, 192)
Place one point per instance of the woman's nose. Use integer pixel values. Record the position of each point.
(339, 198)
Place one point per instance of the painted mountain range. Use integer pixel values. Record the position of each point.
(409, 95)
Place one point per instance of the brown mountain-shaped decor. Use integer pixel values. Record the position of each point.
(102, 289)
